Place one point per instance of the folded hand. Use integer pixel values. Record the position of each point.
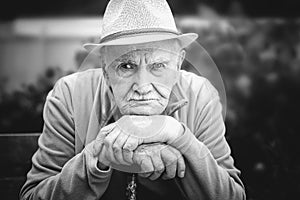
(159, 160)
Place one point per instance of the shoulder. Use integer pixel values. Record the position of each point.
(197, 87)
(79, 82)
(77, 85)
(88, 77)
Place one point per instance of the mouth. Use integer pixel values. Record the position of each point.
(142, 100)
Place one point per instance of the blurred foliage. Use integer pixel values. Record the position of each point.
(260, 65)
(21, 111)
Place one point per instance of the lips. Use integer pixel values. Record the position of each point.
(143, 99)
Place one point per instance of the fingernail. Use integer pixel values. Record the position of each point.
(181, 174)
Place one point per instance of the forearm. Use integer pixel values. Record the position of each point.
(79, 178)
(204, 176)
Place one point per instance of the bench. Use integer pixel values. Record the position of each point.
(16, 151)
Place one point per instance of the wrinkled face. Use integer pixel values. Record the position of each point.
(141, 77)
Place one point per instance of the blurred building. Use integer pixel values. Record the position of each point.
(30, 45)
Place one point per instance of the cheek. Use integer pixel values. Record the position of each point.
(166, 83)
(120, 87)
(163, 90)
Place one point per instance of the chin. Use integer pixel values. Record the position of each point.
(143, 110)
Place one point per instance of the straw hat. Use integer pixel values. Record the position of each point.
(128, 22)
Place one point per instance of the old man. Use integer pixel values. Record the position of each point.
(139, 127)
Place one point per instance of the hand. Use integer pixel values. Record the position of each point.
(121, 138)
(159, 160)
(149, 129)
(108, 147)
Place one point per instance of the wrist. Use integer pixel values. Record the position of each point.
(177, 130)
(185, 141)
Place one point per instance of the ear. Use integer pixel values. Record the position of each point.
(103, 67)
(181, 58)
(105, 75)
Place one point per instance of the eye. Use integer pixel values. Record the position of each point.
(158, 69)
(126, 69)
(158, 66)
(126, 66)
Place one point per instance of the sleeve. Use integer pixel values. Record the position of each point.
(210, 171)
(57, 173)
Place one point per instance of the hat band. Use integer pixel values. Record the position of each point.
(128, 33)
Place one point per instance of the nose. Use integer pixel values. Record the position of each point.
(142, 83)
(143, 89)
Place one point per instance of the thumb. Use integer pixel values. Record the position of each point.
(107, 129)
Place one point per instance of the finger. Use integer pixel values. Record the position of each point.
(180, 162)
(118, 148)
(96, 147)
(130, 145)
(147, 167)
(157, 164)
(102, 158)
(145, 175)
(169, 159)
(145, 163)
(98, 142)
(108, 142)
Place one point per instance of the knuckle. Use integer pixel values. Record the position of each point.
(119, 142)
(127, 153)
(170, 160)
(147, 167)
(116, 150)
(130, 146)
(106, 142)
(161, 168)
(171, 173)
(116, 147)
(145, 175)
(135, 159)
(158, 172)
(159, 165)
(154, 176)
(173, 161)
(150, 154)
(129, 158)
(100, 137)
(172, 157)
(177, 153)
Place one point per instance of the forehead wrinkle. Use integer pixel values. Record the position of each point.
(149, 53)
(134, 54)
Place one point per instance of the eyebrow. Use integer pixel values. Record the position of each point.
(125, 60)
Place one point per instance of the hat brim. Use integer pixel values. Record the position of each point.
(184, 39)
